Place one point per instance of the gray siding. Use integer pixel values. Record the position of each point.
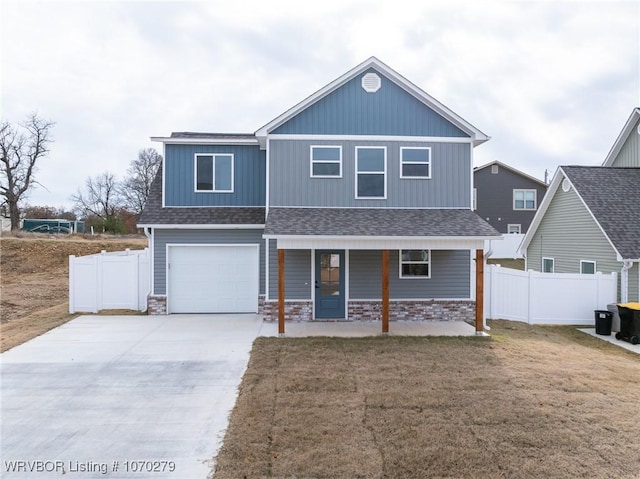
(290, 183)
(568, 234)
(629, 156)
(297, 273)
(495, 197)
(350, 110)
(164, 237)
(249, 176)
(450, 276)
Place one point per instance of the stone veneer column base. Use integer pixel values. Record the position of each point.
(156, 305)
(295, 310)
(436, 310)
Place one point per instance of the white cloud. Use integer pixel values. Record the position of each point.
(551, 82)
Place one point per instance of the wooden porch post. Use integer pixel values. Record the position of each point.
(385, 291)
(281, 292)
(479, 290)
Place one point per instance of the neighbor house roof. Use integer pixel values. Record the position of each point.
(192, 137)
(510, 168)
(376, 222)
(610, 195)
(155, 214)
(476, 135)
(629, 127)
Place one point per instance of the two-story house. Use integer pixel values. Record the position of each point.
(353, 204)
(589, 221)
(506, 197)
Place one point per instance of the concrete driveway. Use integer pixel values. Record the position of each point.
(122, 396)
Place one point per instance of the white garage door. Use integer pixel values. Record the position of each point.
(213, 278)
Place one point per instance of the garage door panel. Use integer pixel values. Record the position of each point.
(213, 279)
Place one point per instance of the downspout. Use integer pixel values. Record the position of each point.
(149, 235)
(624, 280)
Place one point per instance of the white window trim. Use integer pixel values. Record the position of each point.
(514, 224)
(535, 199)
(400, 263)
(312, 161)
(553, 265)
(585, 261)
(384, 172)
(402, 162)
(213, 177)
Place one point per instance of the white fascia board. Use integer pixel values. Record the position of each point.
(628, 129)
(510, 168)
(433, 139)
(478, 136)
(377, 242)
(202, 226)
(205, 141)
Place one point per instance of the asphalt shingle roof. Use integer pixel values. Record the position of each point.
(376, 222)
(613, 196)
(155, 214)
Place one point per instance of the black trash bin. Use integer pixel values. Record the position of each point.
(603, 322)
(629, 322)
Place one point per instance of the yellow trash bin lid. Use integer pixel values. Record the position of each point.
(635, 306)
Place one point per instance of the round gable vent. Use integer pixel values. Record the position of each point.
(371, 83)
(566, 185)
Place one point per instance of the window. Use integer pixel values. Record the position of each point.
(524, 199)
(414, 263)
(587, 267)
(513, 229)
(548, 265)
(371, 172)
(326, 162)
(415, 163)
(214, 173)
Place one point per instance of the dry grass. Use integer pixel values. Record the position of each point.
(34, 273)
(530, 402)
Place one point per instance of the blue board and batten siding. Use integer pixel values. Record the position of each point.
(350, 110)
(162, 237)
(249, 176)
(290, 183)
(297, 273)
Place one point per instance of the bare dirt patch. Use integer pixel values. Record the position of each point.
(529, 402)
(34, 274)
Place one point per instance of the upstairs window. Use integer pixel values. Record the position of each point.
(214, 173)
(414, 263)
(371, 172)
(524, 199)
(415, 163)
(326, 162)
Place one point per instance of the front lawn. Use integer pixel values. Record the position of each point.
(529, 402)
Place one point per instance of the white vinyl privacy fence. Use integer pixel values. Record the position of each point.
(546, 298)
(117, 280)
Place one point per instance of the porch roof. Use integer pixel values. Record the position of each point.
(370, 228)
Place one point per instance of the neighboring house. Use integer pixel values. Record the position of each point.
(590, 219)
(353, 204)
(506, 197)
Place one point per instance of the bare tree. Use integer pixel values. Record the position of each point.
(21, 147)
(135, 188)
(101, 198)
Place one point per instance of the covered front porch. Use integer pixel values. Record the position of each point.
(375, 264)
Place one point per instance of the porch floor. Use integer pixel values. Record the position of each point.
(359, 329)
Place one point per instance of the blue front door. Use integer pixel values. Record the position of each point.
(329, 284)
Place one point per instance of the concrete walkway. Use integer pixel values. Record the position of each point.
(359, 329)
(634, 348)
(83, 399)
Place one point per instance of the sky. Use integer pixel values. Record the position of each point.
(551, 82)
